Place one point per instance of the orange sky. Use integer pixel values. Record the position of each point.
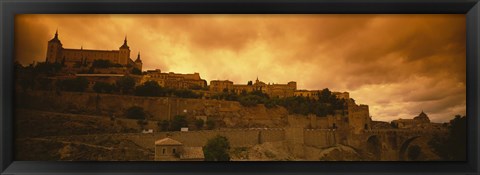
(397, 64)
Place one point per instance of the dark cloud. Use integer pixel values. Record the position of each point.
(398, 64)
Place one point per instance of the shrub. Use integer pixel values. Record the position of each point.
(136, 71)
(199, 123)
(210, 124)
(102, 87)
(126, 84)
(149, 88)
(217, 149)
(136, 112)
(163, 125)
(78, 84)
(178, 122)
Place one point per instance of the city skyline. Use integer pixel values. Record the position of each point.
(421, 67)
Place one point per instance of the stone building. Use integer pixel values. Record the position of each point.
(173, 80)
(221, 85)
(272, 90)
(358, 116)
(418, 121)
(167, 149)
(73, 57)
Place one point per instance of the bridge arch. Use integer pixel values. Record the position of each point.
(404, 148)
(374, 147)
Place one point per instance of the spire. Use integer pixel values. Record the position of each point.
(125, 46)
(55, 38)
(138, 60)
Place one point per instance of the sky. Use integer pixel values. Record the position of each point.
(399, 65)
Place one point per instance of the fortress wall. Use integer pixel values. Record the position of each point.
(160, 108)
(237, 137)
(319, 138)
(272, 135)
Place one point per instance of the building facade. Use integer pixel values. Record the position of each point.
(72, 58)
(174, 80)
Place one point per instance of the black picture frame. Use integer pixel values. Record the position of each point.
(9, 8)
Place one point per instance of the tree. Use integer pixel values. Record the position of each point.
(142, 123)
(78, 84)
(149, 88)
(185, 93)
(102, 87)
(210, 124)
(199, 123)
(250, 100)
(217, 149)
(178, 122)
(163, 125)
(126, 84)
(454, 146)
(250, 83)
(136, 112)
(136, 71)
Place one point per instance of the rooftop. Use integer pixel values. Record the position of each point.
(167, 141)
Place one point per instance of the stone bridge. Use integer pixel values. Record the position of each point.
(393, 144)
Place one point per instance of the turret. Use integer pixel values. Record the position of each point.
(124, 54)
(138, 62)
(54, 50)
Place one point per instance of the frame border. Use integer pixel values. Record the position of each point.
(9, 8)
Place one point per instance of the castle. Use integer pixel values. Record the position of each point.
(77, 60)
(72, 58)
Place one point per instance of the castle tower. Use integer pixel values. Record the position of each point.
(54, 50)
(138, 62)
(124, 54)
(292, 85)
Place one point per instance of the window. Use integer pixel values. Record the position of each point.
(163, 152)
(173, 151)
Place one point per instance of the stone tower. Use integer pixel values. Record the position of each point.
(124, 53)
(138, 62)
(54, 50)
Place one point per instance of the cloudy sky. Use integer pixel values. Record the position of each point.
(397, 64)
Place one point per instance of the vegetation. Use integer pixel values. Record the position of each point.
(199, 123)
(142, 123)
(149, 88)
(46, 68)
(102, 87)
(164, 125)
(178, 122)
(217, 149)
(453, 147)
(136, 112)
(126, 84)
(136, 71)
(210, 124)
(78, 84)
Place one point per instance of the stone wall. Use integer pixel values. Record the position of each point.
(226, 113)
(159, 108)
(320, 137)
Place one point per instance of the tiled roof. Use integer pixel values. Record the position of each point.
(167, 141)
